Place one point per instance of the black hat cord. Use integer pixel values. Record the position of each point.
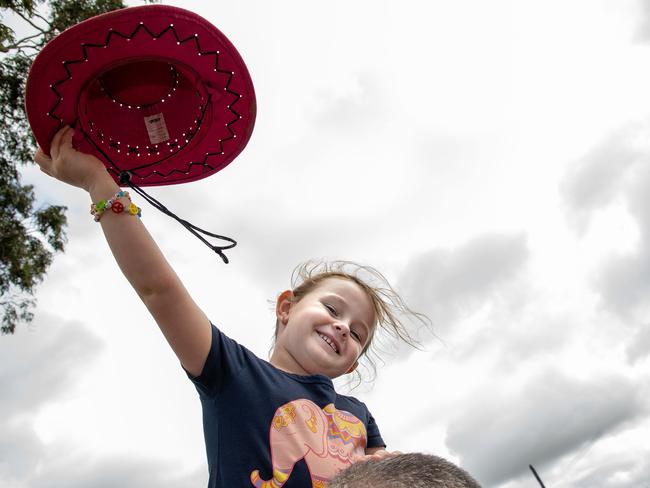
(125, 179)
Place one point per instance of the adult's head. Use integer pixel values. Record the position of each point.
(412, 470)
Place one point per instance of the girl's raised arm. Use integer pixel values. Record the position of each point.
(182, 322)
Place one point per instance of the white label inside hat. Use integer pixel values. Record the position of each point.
(156, 128)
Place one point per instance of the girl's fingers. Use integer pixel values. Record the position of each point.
(55, 145)
(379, 455)
(42, 159)
(66, 142)
(66, 136)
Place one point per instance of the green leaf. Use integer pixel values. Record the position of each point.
(28, 238)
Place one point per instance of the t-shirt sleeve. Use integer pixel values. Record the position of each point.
(225, 359)
(374, 436)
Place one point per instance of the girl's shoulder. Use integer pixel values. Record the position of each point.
(351, 402)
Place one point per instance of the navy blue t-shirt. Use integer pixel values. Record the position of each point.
(267, 428)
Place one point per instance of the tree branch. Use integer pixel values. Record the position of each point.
(35, 14)
(20, 49)
(28, 20)
(32, 36)
(18, 45)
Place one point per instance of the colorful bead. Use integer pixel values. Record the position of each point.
(100, 206)
(133, 209)
(117, 207)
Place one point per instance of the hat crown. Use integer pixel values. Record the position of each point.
(139, 83)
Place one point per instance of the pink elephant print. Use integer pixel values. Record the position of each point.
(325, 438)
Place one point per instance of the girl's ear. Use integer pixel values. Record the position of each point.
(352, 368)
(283, 306)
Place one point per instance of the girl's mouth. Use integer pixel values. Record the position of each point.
(329, 342)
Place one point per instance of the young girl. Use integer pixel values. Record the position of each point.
(265, 424)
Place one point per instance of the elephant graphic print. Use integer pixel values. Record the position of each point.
(326, 439)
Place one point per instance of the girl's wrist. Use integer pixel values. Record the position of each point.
(101, 186)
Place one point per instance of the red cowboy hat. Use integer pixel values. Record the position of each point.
(155, 92)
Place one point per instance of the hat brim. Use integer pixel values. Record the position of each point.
(155, 91)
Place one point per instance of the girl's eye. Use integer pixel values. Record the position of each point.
(356, 336)
(330, 309)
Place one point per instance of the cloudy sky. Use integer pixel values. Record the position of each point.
(489, 157)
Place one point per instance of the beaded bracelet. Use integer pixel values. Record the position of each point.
(98, 209)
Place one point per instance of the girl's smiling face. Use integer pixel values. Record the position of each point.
(326, 331)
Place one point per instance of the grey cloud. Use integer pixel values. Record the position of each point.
(446, 284)
(625, 280)
(625, 283)
(639, 346)
(629, 472)
(20, 450)
(642, 33)
(617, 169)
(500, 435)
(127, 472)
(527, 338)
(39, 363)
(596, 178)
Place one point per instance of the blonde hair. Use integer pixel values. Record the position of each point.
(389, 308)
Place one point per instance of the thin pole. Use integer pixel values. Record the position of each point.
(536, 475)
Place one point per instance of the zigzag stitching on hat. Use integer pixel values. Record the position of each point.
(53, 87)
(84, 49)
(112, 32)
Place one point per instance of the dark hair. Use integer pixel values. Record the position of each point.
(413, 470)
(388, 306)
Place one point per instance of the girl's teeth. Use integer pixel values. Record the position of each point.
(329, 342)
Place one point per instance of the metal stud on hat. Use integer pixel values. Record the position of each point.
(156, 92)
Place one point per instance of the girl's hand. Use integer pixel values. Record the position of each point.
(376, 456)
(69, 165)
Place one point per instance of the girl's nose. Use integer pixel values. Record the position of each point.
(342, 328)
